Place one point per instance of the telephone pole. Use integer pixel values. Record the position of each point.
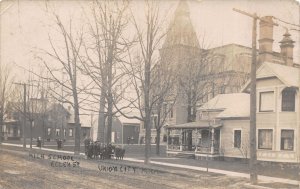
(253, 156)
(24, 113)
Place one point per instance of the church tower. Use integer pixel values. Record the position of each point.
(180, 46)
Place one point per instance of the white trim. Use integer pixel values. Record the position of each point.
(280, 99)
(258, 103)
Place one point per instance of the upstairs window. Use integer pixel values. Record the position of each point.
(49, 131)
(288, 100)
(266, 101)
(171, 112)
(70, 132)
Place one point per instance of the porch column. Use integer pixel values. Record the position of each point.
(180, 140)
(212, 140)
(198, 138)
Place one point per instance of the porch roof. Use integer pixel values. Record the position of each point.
(197, 124)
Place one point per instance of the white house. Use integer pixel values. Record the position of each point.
(278, 115)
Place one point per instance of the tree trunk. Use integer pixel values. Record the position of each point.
(31, 123)
(109, 94)
(158, 141)
(101, 118)
(43, 130)
(77, 124)
(109, 118)
(147, 118)
(1, 126)
(189, 108)
(147, 138)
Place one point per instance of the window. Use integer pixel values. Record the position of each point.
(237, 138)
(49, 131)
(266, 101)
(287, 140)
(265, 139)
(154, 122)
(288, 100)
(57, 131)
(70, 132)
(171, 112)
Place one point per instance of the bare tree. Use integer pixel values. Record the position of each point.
(244, 147)
(105, 54)
(149, 37)
(65, 57)
(206, 74)
(163, 93)
(6, 91)
(35, 106)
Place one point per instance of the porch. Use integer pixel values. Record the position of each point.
(197, 139)
(11, 130)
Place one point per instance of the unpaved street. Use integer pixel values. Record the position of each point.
(18, 170)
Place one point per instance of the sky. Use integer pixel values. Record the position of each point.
(26, 25)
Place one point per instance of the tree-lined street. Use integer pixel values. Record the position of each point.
(96, 74)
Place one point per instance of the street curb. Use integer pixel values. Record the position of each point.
(256, 186)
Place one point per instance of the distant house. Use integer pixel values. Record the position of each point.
(55, 122)
(125, 131)
(86, 125)
(11, 129)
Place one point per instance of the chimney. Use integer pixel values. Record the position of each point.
(286, 46)
(265, 39)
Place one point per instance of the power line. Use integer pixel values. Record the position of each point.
(288, 23)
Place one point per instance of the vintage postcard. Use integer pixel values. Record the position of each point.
(149, 94)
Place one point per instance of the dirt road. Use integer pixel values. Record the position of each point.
(20, 169)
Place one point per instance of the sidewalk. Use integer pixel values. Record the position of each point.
(186, 166)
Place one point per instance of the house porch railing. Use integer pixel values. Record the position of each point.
(207, 150)
(174, 147)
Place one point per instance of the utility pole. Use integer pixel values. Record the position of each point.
(253, 156)
(24, 113)
(253, 153)
(62, 104)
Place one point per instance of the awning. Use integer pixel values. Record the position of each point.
(197, 124)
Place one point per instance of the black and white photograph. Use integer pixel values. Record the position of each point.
(150, 94)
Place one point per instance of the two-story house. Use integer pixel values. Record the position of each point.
(278, 115)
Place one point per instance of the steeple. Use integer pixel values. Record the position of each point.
(182, 9)
(181, 30)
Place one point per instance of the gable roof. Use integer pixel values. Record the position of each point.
(234, 105)
(286, 74)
